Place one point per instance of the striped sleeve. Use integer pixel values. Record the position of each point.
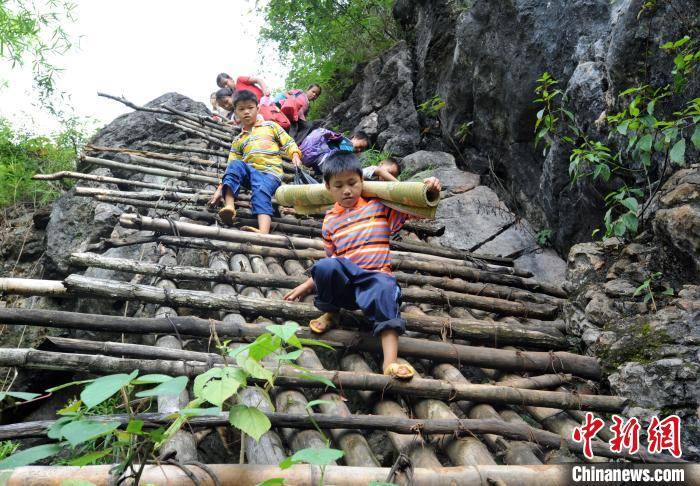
(396, 219)
(327, 241)
(287, 143)
(236, 152)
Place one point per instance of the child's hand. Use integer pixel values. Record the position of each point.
(433, 184)
(215, 199)
(296, 160)
(300, 291)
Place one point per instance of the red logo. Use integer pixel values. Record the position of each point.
(587, 432)
(665, 435)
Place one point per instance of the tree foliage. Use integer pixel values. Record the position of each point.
(34, 34)
(325, 39)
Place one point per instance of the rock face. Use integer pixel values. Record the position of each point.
(483, 59)
(648, 345)
(382, 103)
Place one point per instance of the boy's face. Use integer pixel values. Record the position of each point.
(247, 112)
(359, 144)
(226, 103)
(390, 167)
(313, 93)
(346, 188)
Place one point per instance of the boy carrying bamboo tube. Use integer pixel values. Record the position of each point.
(357, 272)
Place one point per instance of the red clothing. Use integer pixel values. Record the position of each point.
(361, 234)
(295, 105)
(243, 82)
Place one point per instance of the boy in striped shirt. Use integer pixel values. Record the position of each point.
(357, 272)
(254, 162)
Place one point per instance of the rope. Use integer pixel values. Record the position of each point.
(402, 464)
(174, 326)
(206, 469)
(184, 469)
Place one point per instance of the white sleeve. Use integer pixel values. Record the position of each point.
(368, 172)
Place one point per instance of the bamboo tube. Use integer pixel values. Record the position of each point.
(151, 170)
(266, 280)
(186, 229)
(455, 285)
(33, 359)
(193, 326)
(301, 474)
(356, 448)
(109, 180)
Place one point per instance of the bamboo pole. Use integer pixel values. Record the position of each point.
(159, 155)
(197, 128)
(452, 284)
(289, 377)
(151, 170)
(164, 164)
(559, 361)
(206, 121)
(186, 229)
(301, 474)
(266, 280)
(239, 329)
(110, 180)
(187, 148)
(198, 133)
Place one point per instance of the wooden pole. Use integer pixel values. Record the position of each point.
(109, 180)
(187, 148)
(261, 280)
(436, 268)
(159, 155)
(198, 133)
(289, 377)
(151, 170)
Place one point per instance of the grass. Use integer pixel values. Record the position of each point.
(373, 156)
(22, 155)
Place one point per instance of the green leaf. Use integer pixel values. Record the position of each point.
(622, 127)
(218, 391)
(631, 204)
(272, 482)
(314, 342)
(85, 460)
(379, 483)
(313, 403)
(677, 153)
(66, 385)
(21, 395)
(619, 228)
(250, 420)
(263, 346)
(644, 143)
(148, 379)
(54, 432)
(320, 379)
(253, 368)
(285, 331)
(289, 356)
(313, 455)
(204, 378)
(134, 426)
(603, 171)
(650, 107)
(31, 455)
(83, 430)
(104, 387)
(630, 221)
(169, 388)
(696, 137)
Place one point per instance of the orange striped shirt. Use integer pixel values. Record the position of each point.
(361, 233)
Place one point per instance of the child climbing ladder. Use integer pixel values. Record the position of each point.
(356, 274)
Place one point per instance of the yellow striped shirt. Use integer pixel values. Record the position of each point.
(262, 147)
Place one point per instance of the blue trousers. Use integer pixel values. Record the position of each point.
(262, 185)
(340, 284)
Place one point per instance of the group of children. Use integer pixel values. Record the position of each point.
(357, 271)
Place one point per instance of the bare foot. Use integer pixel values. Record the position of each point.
(227, 214)
(323, 323)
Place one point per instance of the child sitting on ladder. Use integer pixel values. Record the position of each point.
(254, 162)
(357, 272)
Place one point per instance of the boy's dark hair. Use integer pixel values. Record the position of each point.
(394, 161)
(244, 95)
(340, 162)
(314, 85)
(223, 93)
(361, 135)
(220, 78)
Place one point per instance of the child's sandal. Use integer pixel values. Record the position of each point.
(227, 215)
(394, 369)
(251, 229)
(328, 321)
